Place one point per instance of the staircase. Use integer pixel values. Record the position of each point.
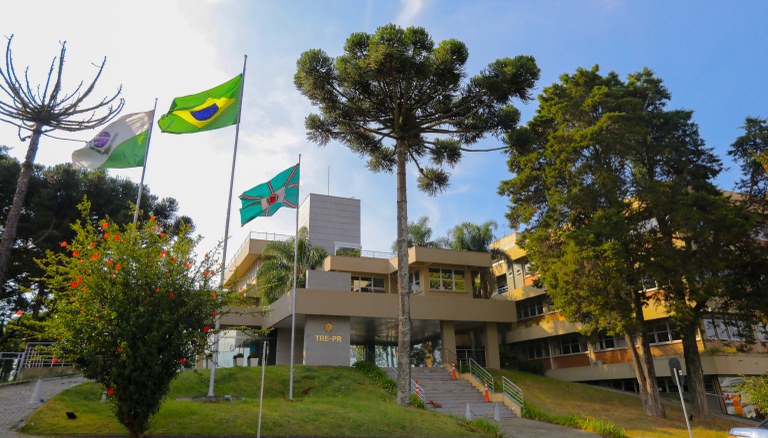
(448, 396)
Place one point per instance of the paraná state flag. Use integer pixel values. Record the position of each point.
(267, 198)
(212, 109)
(122, 144)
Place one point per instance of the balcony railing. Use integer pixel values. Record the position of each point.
(257, 235)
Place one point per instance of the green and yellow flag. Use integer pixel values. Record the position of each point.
(212, 109)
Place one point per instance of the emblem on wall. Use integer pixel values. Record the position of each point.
(328, 327)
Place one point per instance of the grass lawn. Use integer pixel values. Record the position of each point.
(557, 397)
(334, 401)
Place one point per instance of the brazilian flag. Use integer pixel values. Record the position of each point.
(212, 109)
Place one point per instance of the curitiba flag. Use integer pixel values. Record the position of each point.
(267, 198)
(122, 144)
(212, 109)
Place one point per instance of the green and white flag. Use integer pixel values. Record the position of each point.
(120, 145)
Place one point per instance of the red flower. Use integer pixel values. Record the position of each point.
(111, 390)
(55, 359)
(162, 235)
(117, 238)
(84, 287)
(213, 295)
(81, 310)
(117, 266)
(75, 253)
(19, 313)
(173, 259)
(182, 361)
(206, 273)
(214, 314)
(206, 329)
(157, 289)
(93, 244)
(120, 349)
(152, 218)
(110, 262)
(79, 280)
(243, 291)
(106, 235)
(95, 256)
(162, 253)
(172, 295)
(104, 226)
(63, 244)
(73, 285)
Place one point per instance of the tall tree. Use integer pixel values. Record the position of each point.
(51, 207)
(275, 275)
(573, 168)
(473, 237)
(394, 97)
(750, 151)
(38, 110)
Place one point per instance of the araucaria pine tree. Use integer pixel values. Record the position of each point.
(394, 97)
(37, 112)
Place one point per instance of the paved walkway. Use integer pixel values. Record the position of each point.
(15, 407)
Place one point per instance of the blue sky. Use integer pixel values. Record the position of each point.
(712, 55)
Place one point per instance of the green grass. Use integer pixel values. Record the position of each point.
(605, 412)
(335, 401)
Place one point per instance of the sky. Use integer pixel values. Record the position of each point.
(712, 56)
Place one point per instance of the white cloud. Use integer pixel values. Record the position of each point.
(410, 11)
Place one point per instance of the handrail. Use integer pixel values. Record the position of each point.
(418, 390)
(481, 373)
(450, 358)
(512, 391)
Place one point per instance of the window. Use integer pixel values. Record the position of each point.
(662, 331)
(606, 342)
(725, 329)
(537, 349)
(367, 284)
(551, 305)
(530, 307)
(570, 344)
(446, 279)
(414, 279)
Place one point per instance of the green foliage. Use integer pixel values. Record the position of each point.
(276, 272)
(589, 424)
(417, 403)
(375, 374)
(483, 426)
(757, 388)
(50, 208)
(133, 307)
(473, 237)
(348, 252)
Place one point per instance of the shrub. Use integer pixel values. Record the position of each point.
(376, 374)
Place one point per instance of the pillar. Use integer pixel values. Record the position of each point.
(491, 342)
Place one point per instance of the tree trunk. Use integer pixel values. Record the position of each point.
(22, 184)
(694, 371)
(653, 407)
(404, 314)
(638, 368)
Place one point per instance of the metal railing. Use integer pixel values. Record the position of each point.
(418, 390)
(38, 355)
(376, 254)
(9, 365)
(477, 354)
(481, 373)
(258, 235)
(512, 391)
(450, 358)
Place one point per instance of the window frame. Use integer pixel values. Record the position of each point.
(446, 277)
(372, 284)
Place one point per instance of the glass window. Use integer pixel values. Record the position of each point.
(446, 279)
(530, 307)
(414, 279)
(367, 284)
(571, 344)
(725, 329)
(537, 349)
(606, 342)
(662, 331)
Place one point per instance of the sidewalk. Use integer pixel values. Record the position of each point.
(14, 401)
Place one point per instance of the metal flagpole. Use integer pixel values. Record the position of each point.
(293, 291)
(226, 235)
(144, 169)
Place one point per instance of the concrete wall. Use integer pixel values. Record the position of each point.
(326, 340)
(283, 354)
(331, 219)
(339, 281)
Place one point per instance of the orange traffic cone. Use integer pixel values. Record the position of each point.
(485, 392)
(453, 373)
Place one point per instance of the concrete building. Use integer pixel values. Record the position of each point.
(350, 303)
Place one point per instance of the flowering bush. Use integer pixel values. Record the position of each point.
(131, 307)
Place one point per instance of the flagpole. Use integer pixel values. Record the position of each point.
(293, 292)
(144, 169)
(226, 235)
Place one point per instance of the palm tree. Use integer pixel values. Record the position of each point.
(275, 275)
(473, 237)
(419, 233)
